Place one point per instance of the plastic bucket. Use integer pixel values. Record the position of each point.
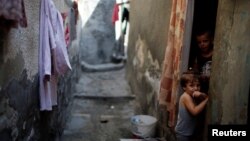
(143, 125)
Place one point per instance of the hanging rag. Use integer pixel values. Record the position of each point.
(53, 56)
(125, 17)
(115, 16)
(171, 68)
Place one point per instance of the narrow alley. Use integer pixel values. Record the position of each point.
(82, 70)
(102, 108)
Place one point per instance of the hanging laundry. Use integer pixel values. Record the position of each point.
(171, 65)
(53, 56)
(125, 14)
(12, 13)
(125, 17)
(115, 16)
(67, 35)
(66, 28)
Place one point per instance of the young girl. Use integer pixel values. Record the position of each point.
(188, 109)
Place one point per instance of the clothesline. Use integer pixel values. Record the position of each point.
(122, 3)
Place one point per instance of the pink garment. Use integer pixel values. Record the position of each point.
(67, 35)
(171, 67)
(53, 56)
(66, 28)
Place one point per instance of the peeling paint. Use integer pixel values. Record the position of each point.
(139, 50)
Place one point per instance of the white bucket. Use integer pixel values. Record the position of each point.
(143, 125)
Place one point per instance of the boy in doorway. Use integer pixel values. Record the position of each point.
(188, 109)
(202, 64)
(203, 58)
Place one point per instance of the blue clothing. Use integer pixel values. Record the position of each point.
(185, 123)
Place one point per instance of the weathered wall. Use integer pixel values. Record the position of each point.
(97, 32)
(230, 81)
(230, 78)
(19, 79)
(20, 118)
(149, 22)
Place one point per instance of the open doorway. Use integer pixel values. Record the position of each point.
(204, 18)
(204, 21)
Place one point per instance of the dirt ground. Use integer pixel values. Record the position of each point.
(102, 108)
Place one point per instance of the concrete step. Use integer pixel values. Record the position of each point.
(103, 97)
(101, 67)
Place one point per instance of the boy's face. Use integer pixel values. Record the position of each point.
(197, 86)
(204, 42)
(189, 88)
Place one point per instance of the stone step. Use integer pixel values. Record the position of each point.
(103, 97)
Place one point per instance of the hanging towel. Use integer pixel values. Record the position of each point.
(53, 56)
(125, 17)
